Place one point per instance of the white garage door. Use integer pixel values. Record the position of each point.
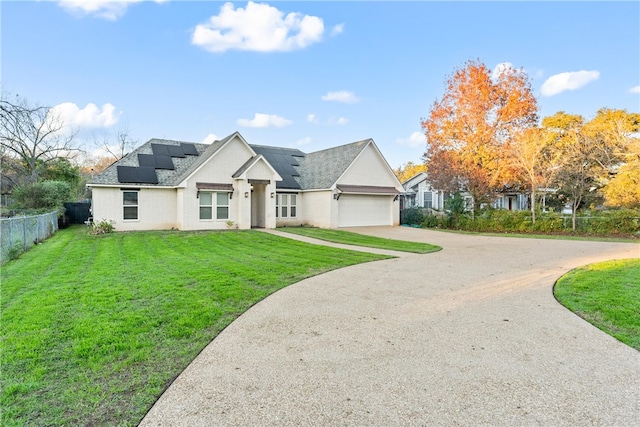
(359, 210)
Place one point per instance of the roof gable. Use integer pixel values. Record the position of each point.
(369, 167)
(285, 161)
(252, 163)
(321, 169)
(414, 180)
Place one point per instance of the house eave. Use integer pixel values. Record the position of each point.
(130, 185)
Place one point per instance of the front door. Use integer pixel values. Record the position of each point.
(258, 205)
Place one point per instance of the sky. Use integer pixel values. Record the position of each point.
(308, 75)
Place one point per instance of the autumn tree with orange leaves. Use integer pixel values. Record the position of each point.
(408, 170)
(470, 129)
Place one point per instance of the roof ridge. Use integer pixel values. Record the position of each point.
(341, 146)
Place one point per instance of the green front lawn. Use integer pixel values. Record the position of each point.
(606, 295)
(356, 239)
(94, 328)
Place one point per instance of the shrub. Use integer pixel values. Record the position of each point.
(411, 216)
(103, 227)
(43, 195)
(623, 221)
(15, 251)
(430, 221)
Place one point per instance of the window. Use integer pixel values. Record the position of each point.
(286, 206)
(222, 205)
(427, 199)
(207, 207)
(130, 204)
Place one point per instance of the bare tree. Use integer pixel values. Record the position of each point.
(121, 147)
(33, 135)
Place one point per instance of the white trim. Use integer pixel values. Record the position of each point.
(229, 139)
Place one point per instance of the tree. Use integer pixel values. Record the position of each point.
(529, 156)
(62, 169)
(614, 136)
(32, 134)
(587, 155)
(409, 170)
(624, 189)
(468, 129)
(122, 146)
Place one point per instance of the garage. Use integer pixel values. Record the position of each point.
(366, 205)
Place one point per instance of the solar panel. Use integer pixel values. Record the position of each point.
(163, 162)
(148, 160)
(189, 149)
(175, 151)
(283, 161)
(155, 161)
(127, 174)
(147, 175)
(138, 175)
(160, 149)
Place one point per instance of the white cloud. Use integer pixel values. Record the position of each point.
(264, 121)
(635, 89)
(209, 139)
(567, 81)
(501, 68)
(257, 27)
(88, 117)
(340, 121)
(303, 141)
(416, 139)
(106, 9)
(341, 96)
(338, 29)
(311, 118)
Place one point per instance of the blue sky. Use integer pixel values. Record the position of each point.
(309, 75)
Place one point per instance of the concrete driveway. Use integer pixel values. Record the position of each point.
(470, 335)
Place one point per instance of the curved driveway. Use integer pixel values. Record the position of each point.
(470, 335)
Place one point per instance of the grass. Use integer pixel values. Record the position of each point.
(349, 238)
(607, 296)
(94, 328)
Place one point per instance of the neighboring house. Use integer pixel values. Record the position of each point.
(419, 193)
(231, 184)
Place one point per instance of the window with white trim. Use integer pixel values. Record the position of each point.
(130, 205)
(286, 206)
(222, 205)
(208, 207)
(427, 201)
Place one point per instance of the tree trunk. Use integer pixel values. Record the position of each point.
(533, 205)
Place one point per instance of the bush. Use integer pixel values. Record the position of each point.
(46, 195)
(430, 221)
(411, 216)
(623, 221)
(103, 227)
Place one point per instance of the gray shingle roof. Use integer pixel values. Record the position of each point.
(300, 171)
(321, 169)
(184, 166)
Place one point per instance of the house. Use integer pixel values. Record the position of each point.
(230, 183)
(419, 193)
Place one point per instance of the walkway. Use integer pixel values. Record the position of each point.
(470, 335)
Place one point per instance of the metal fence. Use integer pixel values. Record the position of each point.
(21, 232)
